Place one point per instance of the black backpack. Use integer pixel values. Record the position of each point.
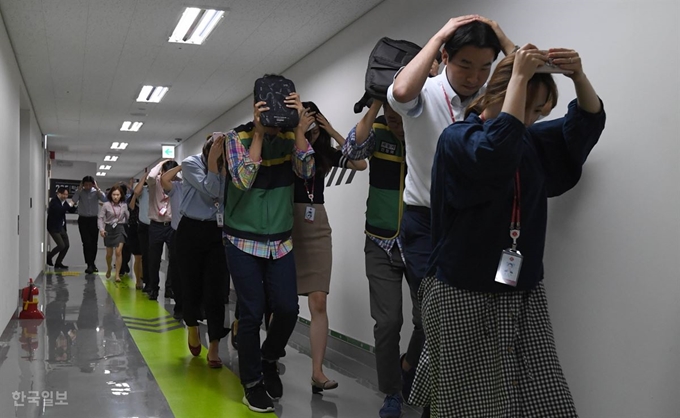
(387, 57)
(274, 89)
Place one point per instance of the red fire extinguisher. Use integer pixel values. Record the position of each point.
(29, 297)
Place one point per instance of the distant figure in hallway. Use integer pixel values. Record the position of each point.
(160, 230)
(113, 215)
(88, 197)
(56, 226)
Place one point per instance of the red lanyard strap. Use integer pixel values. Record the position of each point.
(448, 102)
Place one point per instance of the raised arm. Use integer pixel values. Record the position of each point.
(326, 125)
(166, 178)
(138, 190)
(194, 175)
(360, 141)
(151, 177)
(569, 59)
(303, 153)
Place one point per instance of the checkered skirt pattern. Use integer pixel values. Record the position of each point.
(489, 355)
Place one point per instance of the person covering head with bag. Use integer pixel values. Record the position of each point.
(263, 162)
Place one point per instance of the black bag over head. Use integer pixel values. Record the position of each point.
(274, 89)
(387, 57)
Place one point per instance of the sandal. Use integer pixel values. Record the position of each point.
(318, 387)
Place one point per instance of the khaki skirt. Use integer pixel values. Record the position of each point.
(313, 250)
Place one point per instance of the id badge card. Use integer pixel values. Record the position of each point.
(163, 211)
(310, 212)
(220, 220)
(114, 225)
(509, 267)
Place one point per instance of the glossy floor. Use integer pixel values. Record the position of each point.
(104, 350)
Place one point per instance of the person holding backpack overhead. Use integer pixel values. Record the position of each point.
(381, 138)
(263, 162)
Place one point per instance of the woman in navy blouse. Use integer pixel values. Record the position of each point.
(489, 347)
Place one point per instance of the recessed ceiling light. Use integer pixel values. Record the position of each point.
(195, 25)
(151, 94)
(101, 174)
(129, 126)
(119, 145)
(105, 167)
(112, 158)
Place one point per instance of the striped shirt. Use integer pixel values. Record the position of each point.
(355, 151)
(243, 171)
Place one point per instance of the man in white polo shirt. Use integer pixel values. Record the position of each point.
(428, 106)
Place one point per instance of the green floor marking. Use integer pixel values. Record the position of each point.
(190, 387)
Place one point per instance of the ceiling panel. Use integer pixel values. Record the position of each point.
(84, 62)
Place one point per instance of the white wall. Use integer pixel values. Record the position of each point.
(613, 241)
(31, 197)
(74, 170)
(10, 85)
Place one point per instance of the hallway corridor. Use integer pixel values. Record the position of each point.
(104, 350)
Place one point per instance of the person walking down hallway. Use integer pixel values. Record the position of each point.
(113, 216)
(160, 230)
(88, 197)
(56, 226)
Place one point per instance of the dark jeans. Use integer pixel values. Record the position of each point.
(416, 240)
(202, 269)
(61, 239)
(89, 235)
(251, 275)
(143, 234)
(159, 234)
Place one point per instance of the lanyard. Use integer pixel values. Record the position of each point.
(113, 209)
(516, 212)
(310, 194)
(448, 102)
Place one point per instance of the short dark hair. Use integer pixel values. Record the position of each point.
(88, 179)
(169, 165)
(439, 57)
(61, 190)
(477, 34)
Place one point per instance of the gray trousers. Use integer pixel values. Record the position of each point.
(61, 240)
(385, 284)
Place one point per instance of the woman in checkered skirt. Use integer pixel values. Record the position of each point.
(489, 348)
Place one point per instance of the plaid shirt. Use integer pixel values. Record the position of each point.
(243, 171)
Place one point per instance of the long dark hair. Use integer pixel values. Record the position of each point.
(322, 146)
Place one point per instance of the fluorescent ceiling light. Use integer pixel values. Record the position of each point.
(119, 145)
(105, 167)
(112, 158)
(131, 126)
(151, 94)
(101, 174)
(195, 25)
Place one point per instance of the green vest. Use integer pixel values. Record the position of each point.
(385, 205)
(265, 212)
